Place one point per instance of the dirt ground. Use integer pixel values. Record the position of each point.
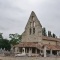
(29, 58)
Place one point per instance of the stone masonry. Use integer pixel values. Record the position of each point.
(33, 23)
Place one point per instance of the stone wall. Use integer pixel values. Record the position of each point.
(28, 58)
(49, 42)
(32, 23)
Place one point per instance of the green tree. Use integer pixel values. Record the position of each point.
(1, 40)
(15, 38)
(44, 32)
(1, 37)
(6, 44)
(54, 36)
(49, 34)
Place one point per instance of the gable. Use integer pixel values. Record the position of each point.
(33, 30)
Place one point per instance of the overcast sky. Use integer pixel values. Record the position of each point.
(14, 15)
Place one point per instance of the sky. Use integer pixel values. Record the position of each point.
(14, 15)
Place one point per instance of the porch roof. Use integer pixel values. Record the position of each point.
(52, 47)
(29, 44)
(38, 46)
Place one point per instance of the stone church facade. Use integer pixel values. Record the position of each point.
(34, 43)
(33, 30)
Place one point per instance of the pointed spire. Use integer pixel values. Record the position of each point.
(33, 17)
(32, 13)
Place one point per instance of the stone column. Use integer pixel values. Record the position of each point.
(26, 50)
(40, 51)
(30, 51)
(51, 52)
(57, 53)
(44, 51)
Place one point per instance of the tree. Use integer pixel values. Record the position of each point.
(6, 44)
(1, 40)
(1, 37)
(44, 32)
(54, 36)
(15, 38)
(49, 34)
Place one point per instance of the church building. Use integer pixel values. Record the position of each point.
(34, 43)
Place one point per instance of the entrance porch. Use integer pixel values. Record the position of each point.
(29, 51)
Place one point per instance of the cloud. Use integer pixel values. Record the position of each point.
(14, 15)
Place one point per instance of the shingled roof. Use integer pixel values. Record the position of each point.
(52, 47)
(50, 38)
(29, 44)
(38, 46)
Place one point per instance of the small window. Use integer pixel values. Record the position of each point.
(33, 24)
(30, 24)
(32, 17)
(30, 31)
(33, 30)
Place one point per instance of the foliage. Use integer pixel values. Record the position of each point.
(49, 34)
(44, 32)
(4, 43)
(1, 37)
(15, 38)
(54, 36)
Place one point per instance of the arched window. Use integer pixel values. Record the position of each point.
(30, 24)
(33, 30)
(33, 23)
(32, 17)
